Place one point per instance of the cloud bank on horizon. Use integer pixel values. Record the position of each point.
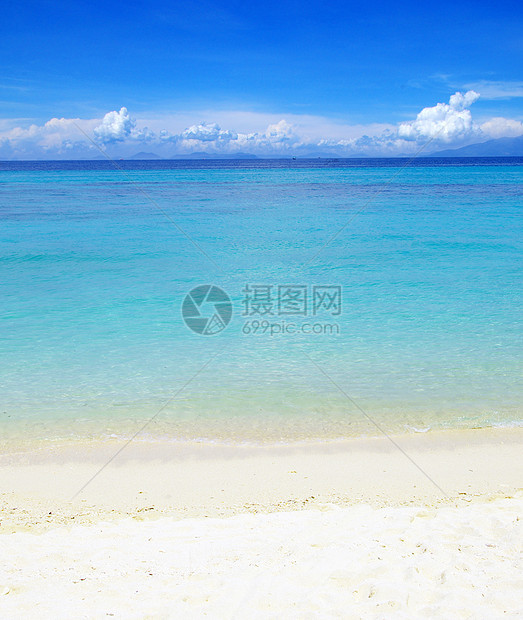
(117, 133)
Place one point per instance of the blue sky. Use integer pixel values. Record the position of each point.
(369, 66)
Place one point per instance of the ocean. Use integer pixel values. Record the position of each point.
(259, 300)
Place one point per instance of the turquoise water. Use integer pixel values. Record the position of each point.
(94, 270)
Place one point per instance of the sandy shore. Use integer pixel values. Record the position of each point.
(204, 479)
(342, 529)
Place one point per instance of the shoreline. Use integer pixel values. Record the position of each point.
(150, 479)
(17, 447)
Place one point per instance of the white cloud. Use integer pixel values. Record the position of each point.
(242, 122)
(208, 132)
(281, 132)
(212, 138)
(448, 122)
(262, 134)
(459, 101)
(58, 137)
(500, 127)
(115, 127)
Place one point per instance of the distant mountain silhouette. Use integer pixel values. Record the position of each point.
(144, 155)
(500, 147)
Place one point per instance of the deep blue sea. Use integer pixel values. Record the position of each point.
(321, 298)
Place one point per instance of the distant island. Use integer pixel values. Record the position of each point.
(143, 155)
(500, 147)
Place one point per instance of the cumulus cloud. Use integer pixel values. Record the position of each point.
(448, 122)
(208, 132)
(281, 132)
(211, 137)
(115, 127)
(443, 123)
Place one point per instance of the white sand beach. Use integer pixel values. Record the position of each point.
(348, 529)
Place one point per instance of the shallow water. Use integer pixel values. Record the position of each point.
(96, 262)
